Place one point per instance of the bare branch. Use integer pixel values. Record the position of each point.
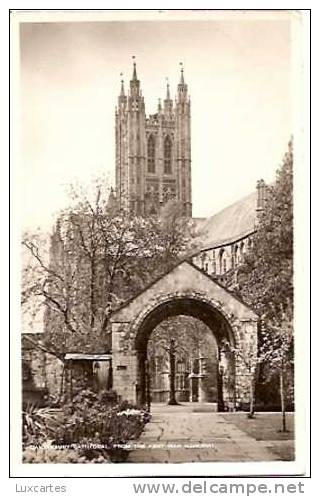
(35, 252)
(44, 348)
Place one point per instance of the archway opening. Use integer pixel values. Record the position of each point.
(202, 371)
(196, 361)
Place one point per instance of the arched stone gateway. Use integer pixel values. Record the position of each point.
(185, 290)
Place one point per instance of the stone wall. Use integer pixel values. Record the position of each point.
(219, 260)
(41, 374)
(184, 281)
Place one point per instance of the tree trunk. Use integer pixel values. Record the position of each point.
(172, 355)
(108, 312)
(252, 396)
(283, 404)
(92, 291)
(148, 393)
(62, 383)
(71, 381)
(110, 377)
(220, 399)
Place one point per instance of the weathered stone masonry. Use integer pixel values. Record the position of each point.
(184, 290)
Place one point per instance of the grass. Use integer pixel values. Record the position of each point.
(264, 426)
(283, 449)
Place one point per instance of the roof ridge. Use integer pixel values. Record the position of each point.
(252, 194)
(188, 261)
(234, 222)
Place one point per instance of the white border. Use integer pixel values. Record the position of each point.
(301, 276)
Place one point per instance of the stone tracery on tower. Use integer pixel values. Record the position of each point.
(153, 153)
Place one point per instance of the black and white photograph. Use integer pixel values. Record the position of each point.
(158, 157)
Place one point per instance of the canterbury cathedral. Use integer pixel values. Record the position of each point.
(153, 166)
(153, 153)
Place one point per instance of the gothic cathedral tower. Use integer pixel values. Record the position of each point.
(153, 154)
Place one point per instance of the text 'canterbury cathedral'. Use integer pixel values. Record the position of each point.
(153, 154)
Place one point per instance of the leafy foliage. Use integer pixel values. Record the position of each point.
(191, 336)
(86, 429)
(97, 258)
(52, 455)
(266, 279)
(38, 424)
(86, 420)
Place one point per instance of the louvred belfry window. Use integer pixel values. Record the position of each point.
(151, 154)
(167, 156)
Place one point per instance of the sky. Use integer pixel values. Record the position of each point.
(238, 73)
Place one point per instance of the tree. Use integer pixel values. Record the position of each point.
(172, 361)
(277, 350)
(97, 257)
(265, 280)
(177, 233)
(182, 338)
(251, 361)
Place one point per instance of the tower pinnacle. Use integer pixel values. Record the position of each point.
(122, 94)
(168, 90)
(168, 102)
(134, 83)
(182, 87)
(182, 74)
(134, 77)
(122, 99)
(153, 153)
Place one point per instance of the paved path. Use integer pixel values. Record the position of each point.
(179, 434)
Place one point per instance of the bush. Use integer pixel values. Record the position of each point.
(38, 425)
(44, 454)
(108, 397)
(86, 421)
(93, 427)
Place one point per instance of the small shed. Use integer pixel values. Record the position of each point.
(90, 370)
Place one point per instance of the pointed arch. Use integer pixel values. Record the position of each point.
(242, 249)
(151, 154)
(221, 261)
(167, 152)
(235, 255)
(214, 262)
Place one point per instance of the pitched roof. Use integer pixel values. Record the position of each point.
(232, 223)
(170, 270)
